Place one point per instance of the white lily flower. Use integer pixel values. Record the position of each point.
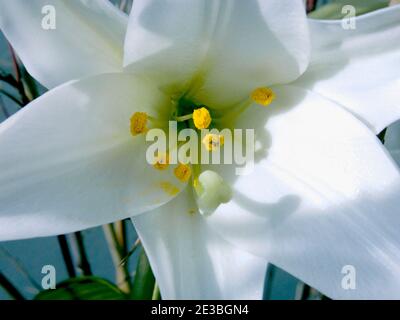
(324, 193)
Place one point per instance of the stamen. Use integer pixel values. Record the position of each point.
(169, 188)
(263, 96)
(139, 123)
(183, 172)
(213, 141)
(162, 161)
(201, 118)
(184, 118)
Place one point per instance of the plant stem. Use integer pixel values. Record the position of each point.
(15, 63)
(156, 293)
(10, 288)
(303, 291)
(83, 263)
(18, 78)
(133, 249)
(30, 85)
(123, 277)
(18, 266)
(62, 240)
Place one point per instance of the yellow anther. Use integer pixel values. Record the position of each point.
(139, 123)
(263, 96)
(169, 188)
(213, 141)
(201, 118)
(162, 161)
(183, 172)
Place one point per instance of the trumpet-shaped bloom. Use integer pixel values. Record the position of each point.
(324, 193)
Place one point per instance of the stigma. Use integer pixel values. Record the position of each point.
(139, 123)
(263, 96)
(212, 191)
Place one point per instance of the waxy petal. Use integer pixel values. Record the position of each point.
(324, 194)
(358, 68)
(88, 38)
(69, 161)
(221, 50)
(190, 261)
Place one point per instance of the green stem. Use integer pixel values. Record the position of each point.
(123, 277)
(18, 78)
(83, 258)
(10, 288)
(62, 240)
(156, 293)
(303, 292)
(184, 118)
(29, 85)
(127, 256)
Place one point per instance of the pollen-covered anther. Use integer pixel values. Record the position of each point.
(201, 118)
(263, 96)
(213, 141)
(139, 123)
(162, 161)
(183, 172)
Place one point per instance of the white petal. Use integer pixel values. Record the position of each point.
(69, 161)
(358, 69)
(235, 46)
(392, 141)
(190, 261)
(324, 194)
(88, 38)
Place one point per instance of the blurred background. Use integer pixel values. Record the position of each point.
(112, 253)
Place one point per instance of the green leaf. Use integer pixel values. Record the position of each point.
(333, 10)
(144, 282)
(83, 288)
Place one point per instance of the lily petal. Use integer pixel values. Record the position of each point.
(69, 161)
(190, 261)
(87, 39)
(358, 68)
(222, 49)
(324, 194)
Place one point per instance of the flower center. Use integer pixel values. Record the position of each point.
(210, 188)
